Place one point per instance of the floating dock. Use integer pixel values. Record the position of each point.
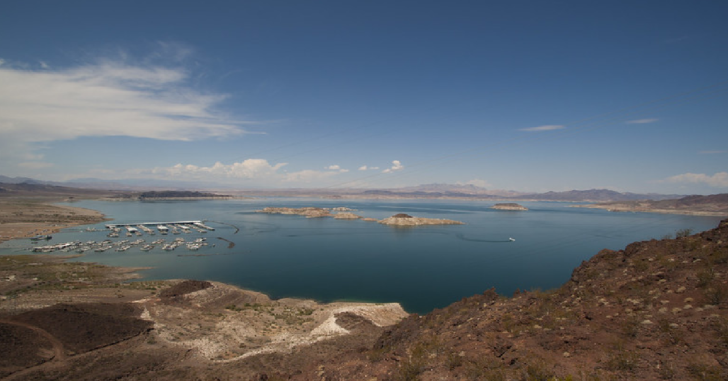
(161, 226)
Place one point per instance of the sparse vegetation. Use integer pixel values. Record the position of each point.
(683, 233)
(705, 372)
(621, 359)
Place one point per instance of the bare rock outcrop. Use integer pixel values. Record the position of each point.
(509, 206)
(407, 220)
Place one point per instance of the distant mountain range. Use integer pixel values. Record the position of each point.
(126, 184)
(595, 195)
(427, 191)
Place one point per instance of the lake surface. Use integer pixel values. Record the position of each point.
(326, 259)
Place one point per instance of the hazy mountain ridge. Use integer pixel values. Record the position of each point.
(429, 191)
(595, 195)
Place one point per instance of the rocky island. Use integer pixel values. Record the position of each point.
(345, 214)
(509, 206)
(313, 212)
(407, 220)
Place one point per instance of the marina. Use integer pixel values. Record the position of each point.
(133, 229)
(164, 228)
(120, 246)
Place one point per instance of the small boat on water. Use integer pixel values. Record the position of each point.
(512, 239)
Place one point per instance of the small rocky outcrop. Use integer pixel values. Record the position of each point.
(509, 206)
(407, 220)
(346, 216)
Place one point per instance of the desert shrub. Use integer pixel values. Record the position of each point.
(538, 371)
(705, 277)
(622, 359)
(453, 360)
(411, 368)
(719, 256)
(641, 266)
(508, 323)
(682, 233)
(721, 328)
(666, 371)
(671, 334)
(716, 293)
(705, 372)
(490, 370)
(630, 327)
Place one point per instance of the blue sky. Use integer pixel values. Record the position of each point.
(521, 95)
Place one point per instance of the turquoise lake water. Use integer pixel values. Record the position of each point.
(422, 268)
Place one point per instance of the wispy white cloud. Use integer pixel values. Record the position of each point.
(549, 127)
(396, 166)
(337, 167)
(257, 172)
(716, 152)
(106, 98)
(642, 121)
(719, 180)
(247, 169)
(368, 168)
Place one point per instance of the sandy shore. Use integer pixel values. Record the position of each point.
(21, 218)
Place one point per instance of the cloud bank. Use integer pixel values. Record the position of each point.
(106, 98)
(718, 180)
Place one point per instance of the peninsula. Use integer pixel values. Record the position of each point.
(713, 205)
(170, 196)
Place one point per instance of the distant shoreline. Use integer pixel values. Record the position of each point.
(626, 208)
(116, 199)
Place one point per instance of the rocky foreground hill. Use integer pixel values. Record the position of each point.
(655, 310)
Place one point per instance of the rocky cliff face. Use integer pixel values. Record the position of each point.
(655, 310)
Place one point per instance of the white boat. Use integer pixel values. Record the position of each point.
(512, 239)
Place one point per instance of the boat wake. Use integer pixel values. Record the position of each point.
(464, 238)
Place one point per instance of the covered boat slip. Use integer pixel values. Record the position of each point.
(163, 227)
